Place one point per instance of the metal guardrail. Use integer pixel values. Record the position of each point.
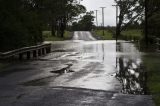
(45, 48)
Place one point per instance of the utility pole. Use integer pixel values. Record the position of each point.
(96, 18)
(116, 20)
(103, 18)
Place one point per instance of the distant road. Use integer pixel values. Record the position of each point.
(83, 35)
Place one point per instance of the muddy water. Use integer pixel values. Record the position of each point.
(104, 65)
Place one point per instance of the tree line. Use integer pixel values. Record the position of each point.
(85, 22)
(22, 21)
(144, 13)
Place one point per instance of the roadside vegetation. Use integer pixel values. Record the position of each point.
(107, 34)
(132, 34)
(152, 64)
(47, 36)
(22, 21)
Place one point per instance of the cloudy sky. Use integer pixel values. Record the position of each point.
(109, 12)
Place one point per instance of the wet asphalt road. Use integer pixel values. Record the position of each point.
(78, 72)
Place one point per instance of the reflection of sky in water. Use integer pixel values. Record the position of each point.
(123, 59)
(130, 70)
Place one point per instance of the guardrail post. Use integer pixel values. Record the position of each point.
(39, 52)
(35, 54)
(43, 51)
(48, 49)
(20, 56)
(28, 55)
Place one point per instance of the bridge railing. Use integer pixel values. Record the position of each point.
(32, 51)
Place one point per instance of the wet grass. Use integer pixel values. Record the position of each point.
(129, 34)
(152, 64)
(107, 35)
(47, 35)
(132, 34)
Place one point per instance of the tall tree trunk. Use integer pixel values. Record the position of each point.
(119, 26)
(53, 30)
(63, 26)
(118, 31)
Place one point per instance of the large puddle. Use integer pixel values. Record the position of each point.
(107, 61)
(131, 71)
(122, 56)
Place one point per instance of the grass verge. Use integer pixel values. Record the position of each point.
(47, 35)
(107, 35)
(152, 63)
(132, 34)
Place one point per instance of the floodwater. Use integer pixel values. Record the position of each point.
(105, 65)
(79, 72)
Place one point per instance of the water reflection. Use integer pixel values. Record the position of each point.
(121, 60)
(131, 73)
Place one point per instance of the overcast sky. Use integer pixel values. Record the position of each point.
(109, 11)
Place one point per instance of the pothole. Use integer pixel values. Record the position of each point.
(64, 70)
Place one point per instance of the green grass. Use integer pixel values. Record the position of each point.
(152, 63)
(132, 34)
(126, 35)
(107, 35)
(47, 35)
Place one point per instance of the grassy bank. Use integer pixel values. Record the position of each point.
(126, 35)
(132, 34)
(152, 63)
(107, 35)
(47, 35)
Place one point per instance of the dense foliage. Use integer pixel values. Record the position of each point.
(153, 17)
(144, 14)
(85, 23)
(130, 12)
(22, 21)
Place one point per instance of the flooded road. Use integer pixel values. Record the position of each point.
(81, 71)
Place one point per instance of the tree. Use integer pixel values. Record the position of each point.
(22, 21)
(86, 23)
(129, 11)
(20, 25)
(153, 18)
(60, 12)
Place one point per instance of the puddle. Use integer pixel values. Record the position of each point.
(64, 70)
(47, 80)
(131, 72)
(20, 96)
